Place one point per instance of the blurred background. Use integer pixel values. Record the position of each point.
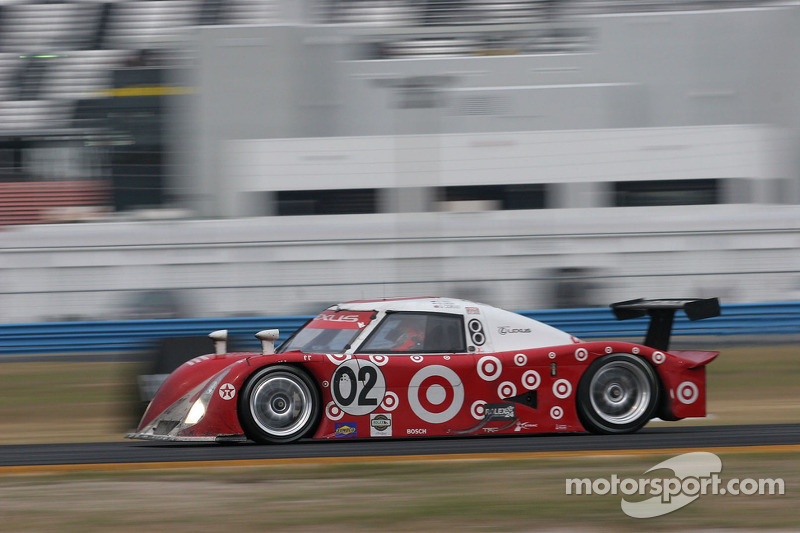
(219, 158)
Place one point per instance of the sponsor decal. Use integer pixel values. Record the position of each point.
(341, 320)
(380, 425)
(473, 311)
(416, 431)
(358, 387)
(227, 391)
(523, 426)
(345, 430)
(508, 330)
(435, 394)
(499, 411)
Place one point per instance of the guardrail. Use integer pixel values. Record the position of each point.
(56, 338)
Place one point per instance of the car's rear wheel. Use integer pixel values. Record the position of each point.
(617, 394)
(279, 404)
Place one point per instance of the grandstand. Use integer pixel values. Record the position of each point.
(317, 150)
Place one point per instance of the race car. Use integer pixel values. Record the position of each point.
(431, 366)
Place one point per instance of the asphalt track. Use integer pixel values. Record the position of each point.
(129, 454)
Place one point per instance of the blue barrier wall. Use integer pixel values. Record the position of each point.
(137, 335)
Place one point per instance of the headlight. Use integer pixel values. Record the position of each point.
(196, 413)
(198, 410)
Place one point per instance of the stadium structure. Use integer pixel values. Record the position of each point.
(264, 157)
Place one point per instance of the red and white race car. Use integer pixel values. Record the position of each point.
(434, 367)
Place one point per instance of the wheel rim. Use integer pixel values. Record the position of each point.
(281, 405)
(620, 392)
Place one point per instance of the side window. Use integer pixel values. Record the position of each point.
(417, 333)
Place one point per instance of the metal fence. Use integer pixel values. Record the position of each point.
(97, 337)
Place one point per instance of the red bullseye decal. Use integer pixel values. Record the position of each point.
(390, 402)
(531, 379)
(478, 410)
(435, 394)
(687, 392)
(379, 360)
(489, 368)
(333, 412)
(562, 388)
(506, 390)
(337, 359)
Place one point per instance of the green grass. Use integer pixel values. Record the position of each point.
(74, 402)
(524, 495)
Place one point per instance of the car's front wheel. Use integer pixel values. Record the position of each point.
(617, 394)
(279, 404)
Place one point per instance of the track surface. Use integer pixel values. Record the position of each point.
(157, 452)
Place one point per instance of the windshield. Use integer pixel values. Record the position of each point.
(329, 332)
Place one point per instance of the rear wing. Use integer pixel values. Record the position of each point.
(662, 315)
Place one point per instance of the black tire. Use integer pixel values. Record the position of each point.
(617, 394)
(279, 404)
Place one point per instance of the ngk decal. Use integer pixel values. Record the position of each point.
(358, 386)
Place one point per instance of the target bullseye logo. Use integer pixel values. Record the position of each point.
(687, 392)
(531, 380)
(379, 360)
(489, 368)
(506, 390)
(333, 412)
(562, 388)
(390, 401)
(338, 359)
(435, 394)
(478, 410)
(659, 357)
(556, 413)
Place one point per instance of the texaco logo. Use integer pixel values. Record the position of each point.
(435, 394)
(489, 368)
(687, 392)
(227, 391)
(562, 388)
(531, 379)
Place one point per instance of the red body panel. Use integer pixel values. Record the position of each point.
(527, 391)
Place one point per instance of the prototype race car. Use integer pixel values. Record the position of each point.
(432, 367)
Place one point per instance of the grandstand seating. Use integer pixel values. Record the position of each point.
(54, 53)
(52, 201)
